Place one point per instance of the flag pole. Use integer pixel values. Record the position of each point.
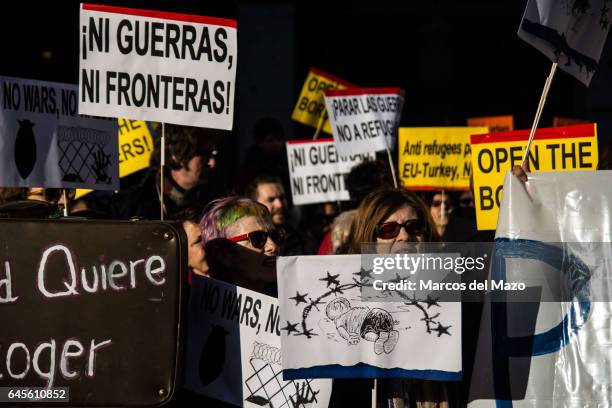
(65, 202)
(161, 173)
(392, 167)
(320, 125)
(536, 120)
(374, 392)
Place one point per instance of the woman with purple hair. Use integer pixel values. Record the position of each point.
(241, 243)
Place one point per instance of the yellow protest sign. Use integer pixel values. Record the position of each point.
(494, 123)
(135, 148)
(436, 158)
(310, 106)
(553, 149)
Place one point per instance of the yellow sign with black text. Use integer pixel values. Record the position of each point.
(310, 107)
(553, 149)
(436, 158)
(135, 148)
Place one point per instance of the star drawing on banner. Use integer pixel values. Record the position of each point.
(364, 273)
(331, 279)
(307, 332)
(336, 290)
(442, 330)
(299, 298)
(290, 328)
(431, 301)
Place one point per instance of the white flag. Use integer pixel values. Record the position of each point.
(550, 354)
(329, 332)
(574, 32)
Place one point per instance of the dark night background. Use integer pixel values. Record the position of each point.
(454, 59)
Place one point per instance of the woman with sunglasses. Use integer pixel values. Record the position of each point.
(392, 217)
(241, 243)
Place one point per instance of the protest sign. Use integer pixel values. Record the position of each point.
(553, 149)
(45, 143)
(364, 119)
(436, 158)
(135, 148)
(552, 231)
(494, 123)
(325, 333)
(94, 307)
(158, 66)
(310, 107)
(560, 121)
(233, 344)
(317, 171)
(569, 33)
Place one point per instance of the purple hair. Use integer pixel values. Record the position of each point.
(223, 212)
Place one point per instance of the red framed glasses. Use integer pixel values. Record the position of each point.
(258, 238)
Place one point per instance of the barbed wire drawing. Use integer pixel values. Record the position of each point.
(380, 321)
(266, 386)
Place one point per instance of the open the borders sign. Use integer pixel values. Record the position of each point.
(158, 66)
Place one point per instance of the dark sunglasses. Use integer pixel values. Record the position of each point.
(390, 230)
(437, 203)
(258, 238)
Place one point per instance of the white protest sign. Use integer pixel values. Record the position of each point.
(45, 143)
(158, 66)
(317, 171)
(330, 332)
(571, 33)
(554, 235)
(364, 120)
(233, 350)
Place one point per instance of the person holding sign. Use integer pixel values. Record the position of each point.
(190, 159)
(241, 243)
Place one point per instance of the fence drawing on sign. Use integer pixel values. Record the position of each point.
(266, 386)
(82, 154)
(350, 324)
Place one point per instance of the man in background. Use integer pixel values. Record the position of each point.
(190, 159)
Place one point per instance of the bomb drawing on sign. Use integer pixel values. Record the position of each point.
(355, 323)
(25, 148)
(212, 358)
(351, 323)
(266, 387)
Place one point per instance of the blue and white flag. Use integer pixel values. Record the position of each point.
(553, 230)
(572, 32)
(329, 332)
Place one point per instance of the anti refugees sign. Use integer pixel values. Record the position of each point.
(317, 171)
(45, 143)
(436, 158)
(158, 66)
(553, 149)
(364, 119)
